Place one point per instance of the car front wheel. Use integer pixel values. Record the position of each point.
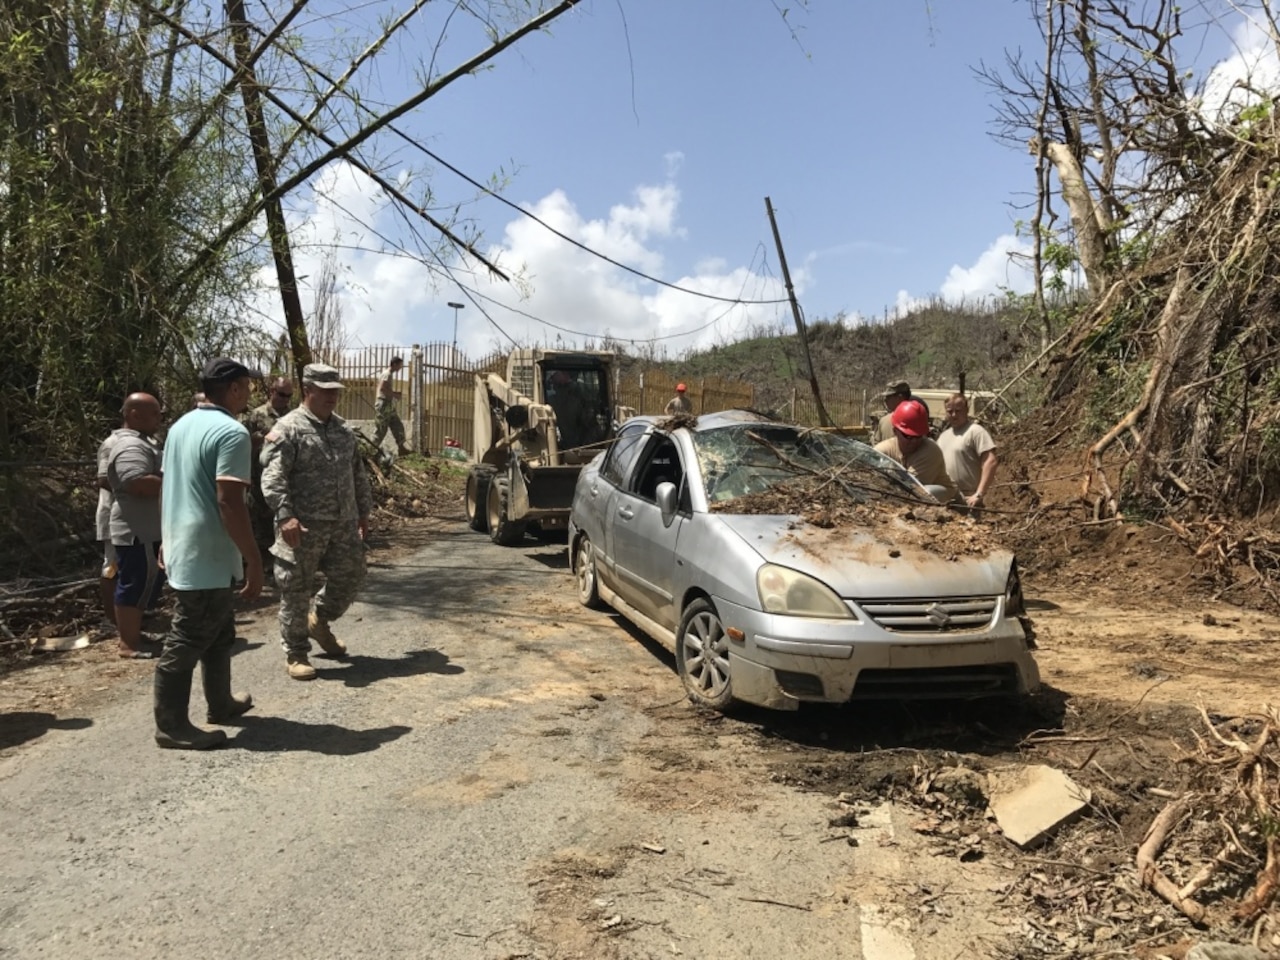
(702, 656)
(584, 571)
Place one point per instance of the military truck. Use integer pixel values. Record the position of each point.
(534, 430)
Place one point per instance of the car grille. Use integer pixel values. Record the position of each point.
(938, 683)
(967, 615)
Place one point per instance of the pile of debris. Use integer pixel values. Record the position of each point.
(839, 503)
(49, 617)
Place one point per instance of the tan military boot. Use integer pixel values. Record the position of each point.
(318, 630)
(300, 667)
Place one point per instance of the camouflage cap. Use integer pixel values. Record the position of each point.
(321, 375)
(897, 387)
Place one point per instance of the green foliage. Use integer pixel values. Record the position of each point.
(104, 215)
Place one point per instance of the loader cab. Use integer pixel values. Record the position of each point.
(579, 395)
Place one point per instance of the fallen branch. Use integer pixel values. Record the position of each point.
(1149, 873)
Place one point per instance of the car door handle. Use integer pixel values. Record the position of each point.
(626, 513)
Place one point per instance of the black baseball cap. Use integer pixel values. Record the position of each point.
(224, 370)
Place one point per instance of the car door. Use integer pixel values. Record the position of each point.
(644, 548)
(602, 489)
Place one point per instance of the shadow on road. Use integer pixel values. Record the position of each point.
(279, 734)
(21, 726)
(360, 670)
(243, 645)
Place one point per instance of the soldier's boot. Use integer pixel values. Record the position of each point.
(318, 630)
(300, 668)
(174, 729)
(224, 706)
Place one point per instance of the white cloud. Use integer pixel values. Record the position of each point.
(1000, 268)
(1245, 77)
(995, 271)
(396, 298)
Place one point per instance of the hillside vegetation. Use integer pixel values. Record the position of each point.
(931, 346)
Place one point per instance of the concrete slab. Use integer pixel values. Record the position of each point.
(1029, 803)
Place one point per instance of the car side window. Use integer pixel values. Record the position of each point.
(660, 463)
(622, 454)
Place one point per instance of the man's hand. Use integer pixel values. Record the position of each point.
(974, 501)
(362, 525)
(292, 530)
(252, 579)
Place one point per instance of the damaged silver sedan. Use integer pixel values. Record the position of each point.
(781, 564)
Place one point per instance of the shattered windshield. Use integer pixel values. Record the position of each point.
(747, 459)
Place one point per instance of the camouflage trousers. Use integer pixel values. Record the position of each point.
(384, 416)
(329, 547)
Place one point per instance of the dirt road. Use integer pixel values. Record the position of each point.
(496, 772)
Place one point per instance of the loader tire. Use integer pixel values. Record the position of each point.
(502, 529)
(477, 499)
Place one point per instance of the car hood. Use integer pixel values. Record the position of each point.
(857, 564)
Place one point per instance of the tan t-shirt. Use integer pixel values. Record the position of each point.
(927, 465)
(883, 430)
(963, 450)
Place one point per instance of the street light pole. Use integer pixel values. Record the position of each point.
(456, 308)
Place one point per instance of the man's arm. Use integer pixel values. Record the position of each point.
(129, 470)
(989, 464)
(278, 457)
(234, 513)
(933, 471)
(364, 495)
(233, 475)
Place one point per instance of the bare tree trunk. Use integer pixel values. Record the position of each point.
(1091, 239)
(295, 323)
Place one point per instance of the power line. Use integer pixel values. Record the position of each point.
(418, 145)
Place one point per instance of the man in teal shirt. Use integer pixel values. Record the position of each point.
(207, 534)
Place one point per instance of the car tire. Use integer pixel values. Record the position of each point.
(584, 573)
(477, 497)
(503, 531)
(702, 656)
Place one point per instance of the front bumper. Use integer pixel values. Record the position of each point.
(783, 660)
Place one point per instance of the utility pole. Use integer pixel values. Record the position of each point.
(823, 418)
(456, 307)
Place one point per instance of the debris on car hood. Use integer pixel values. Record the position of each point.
(887, 515)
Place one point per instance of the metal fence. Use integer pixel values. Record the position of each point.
(437, 392)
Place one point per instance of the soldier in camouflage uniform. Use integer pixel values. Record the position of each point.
(314, 482)
(384, 408)
(259, 422)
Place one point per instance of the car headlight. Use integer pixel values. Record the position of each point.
(1013, 603)
(791, 593)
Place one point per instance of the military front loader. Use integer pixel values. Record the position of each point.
(534, 430)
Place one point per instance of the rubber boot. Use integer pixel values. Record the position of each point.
(215, 672)
(174, 729)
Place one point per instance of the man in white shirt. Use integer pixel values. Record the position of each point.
(969, 451)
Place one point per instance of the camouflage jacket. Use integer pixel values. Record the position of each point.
(311, 470)
(259, 422)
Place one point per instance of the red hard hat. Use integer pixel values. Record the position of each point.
(911, 418)
(681, 388)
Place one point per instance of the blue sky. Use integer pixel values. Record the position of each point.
(656, 139)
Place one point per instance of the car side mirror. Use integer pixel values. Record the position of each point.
(667, 496)
(517, 416)
(937, 491)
